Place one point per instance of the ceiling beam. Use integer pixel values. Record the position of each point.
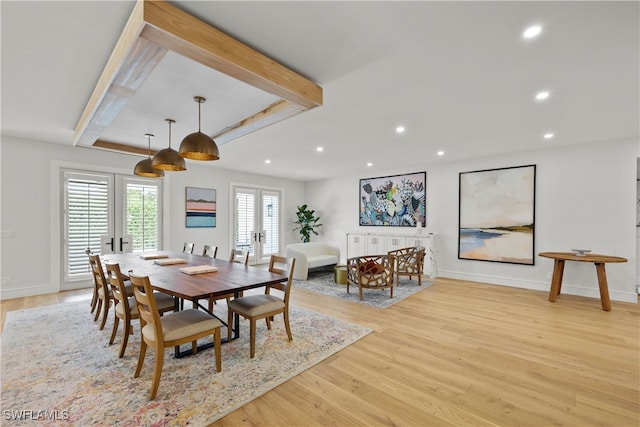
(155, 27)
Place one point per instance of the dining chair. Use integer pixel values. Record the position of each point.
(408, 262)
(210, 251)
(170, 330)
(94, 295)
(102, 289)
(125, 305)
(188, 248)
(239, 256)
(265, 306)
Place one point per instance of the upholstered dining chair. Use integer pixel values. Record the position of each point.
(188, 248)
(125, 305)
(170, 330)
(371, 272)
(102, 289)
(265, 306)
(94, 295)
(239, 256)
(409, 262)
(210, 251)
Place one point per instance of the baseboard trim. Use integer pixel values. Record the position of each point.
(567, 288)
(27, 291)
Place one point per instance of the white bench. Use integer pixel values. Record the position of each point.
(311, 255)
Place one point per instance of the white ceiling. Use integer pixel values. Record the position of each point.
(457, 75)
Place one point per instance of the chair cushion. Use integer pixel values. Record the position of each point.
(371, 267)
(183, 324)
(255, 305)
(132, 307)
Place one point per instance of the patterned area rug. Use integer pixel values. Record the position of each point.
(57, 364)
(323, 283)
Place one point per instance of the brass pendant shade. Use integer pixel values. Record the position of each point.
(168, 159)
(199, 146)
(144, 167)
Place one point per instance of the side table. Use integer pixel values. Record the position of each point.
(599, 261)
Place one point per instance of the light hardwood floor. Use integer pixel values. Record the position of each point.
(461, 354)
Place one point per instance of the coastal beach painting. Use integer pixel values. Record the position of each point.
(200, 207)
(497, 215)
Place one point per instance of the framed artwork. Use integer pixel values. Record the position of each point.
(200, 207)
(395, 201)
(497, 215)
(638, 203)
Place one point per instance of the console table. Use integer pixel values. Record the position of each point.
(599, 261)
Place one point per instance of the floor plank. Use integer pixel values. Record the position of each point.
(458, 353)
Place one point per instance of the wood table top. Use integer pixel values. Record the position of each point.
(230, 277)
(571, 256)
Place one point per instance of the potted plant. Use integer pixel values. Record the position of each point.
(307, 223)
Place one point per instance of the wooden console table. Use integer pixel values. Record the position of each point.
(599, 261)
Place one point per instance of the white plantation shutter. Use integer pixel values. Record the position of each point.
(87, 216)
(142, 215)
(244, 227)
(270, 223)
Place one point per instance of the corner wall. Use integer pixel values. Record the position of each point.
(585, 197)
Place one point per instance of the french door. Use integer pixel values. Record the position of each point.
(256, 225)
(107, 213)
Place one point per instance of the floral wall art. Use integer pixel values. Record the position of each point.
(397, 200)
(496, 220)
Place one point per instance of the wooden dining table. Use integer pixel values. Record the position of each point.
(230, 277)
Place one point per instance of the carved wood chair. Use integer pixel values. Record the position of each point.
(170, 330)
(265, 306)
(371, 272)
(409, 262)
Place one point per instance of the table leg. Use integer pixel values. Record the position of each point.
(556, 280)
(602, 284)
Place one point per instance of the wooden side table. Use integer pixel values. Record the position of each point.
(599, 261)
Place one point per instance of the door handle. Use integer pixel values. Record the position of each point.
(110, 244)
(122, 243)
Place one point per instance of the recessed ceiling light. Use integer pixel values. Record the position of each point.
(440, 153)
(541, 96)
(369, 164)
(319, 149)
(548, 135)
(267, 161)
(532, 32)
(400, 129)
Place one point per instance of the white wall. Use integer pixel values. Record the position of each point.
(585, 197)
(30, 207)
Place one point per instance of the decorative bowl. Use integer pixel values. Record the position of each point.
(581, 252)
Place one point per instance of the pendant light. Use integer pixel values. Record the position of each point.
(199, 146)
(168, 159)
(144, 168)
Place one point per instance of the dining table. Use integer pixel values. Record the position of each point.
(164, 271)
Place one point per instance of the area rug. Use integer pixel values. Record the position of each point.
(57, 367)
(323, 283)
